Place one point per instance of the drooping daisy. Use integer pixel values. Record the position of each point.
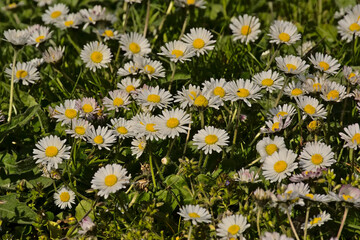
(351, 136)
(306, 175)
(295, 89)
(291, 64)
(232, 227)
(54, 13)
(66, 112)
(78, 128)
(190, 3)
(110, 179)
(24, 72)
(53, 54)
(352, 76)
(283, 32)
(199, 39)
(130, 68)
(316, 197)
(246, 28)
(270, 80)
(92, 15)
(96, 55)
(134, 44)
(154, 97)
(247, 176)
(267, 146)
(110, 34)
(279, 165)
(311, 107)
(216, 87)
(64, 198)
(72, 20)
(51, 151)
(304, 48)
(285, 110)
(276, 124)
(274, 236)
(334, 92)
(348, 27)
(174, 122)
(317, 220)
(195, 214)
(102, 137)
(122, 127)
(118, 99)
(325, 63)
(244, 90)
(177, 51)
(316, 155)
(152, 68)
(17, 37)
(138, 146)
(40, 35)
(348, 194)
(211, 139)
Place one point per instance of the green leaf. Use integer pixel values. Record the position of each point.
(82, 208)
(12, 210)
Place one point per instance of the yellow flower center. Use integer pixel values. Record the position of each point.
(192, 95)
(271, 148)
(70, 113)
(108, 33)
(130, 88)
(356, 138)
(198, 43)
(267, 82)
(153, 98)
(325, 66)
(99, 139)
(317, 159)
(280, 166)
(309, 195)
(110, 180)
(141, 146)
(51, 151)
(333, 95)
(211, 139)
(243, 92)
(39, 38)
(122, 130)
(351, 75)
(87, 108)
(296, 92)
(80, 130)
(134, 47)
(150, 127)
(172, 123)
(317, 87)
(284, 37)
(234, 229)
(281, 113)
(315, 220)
(21, 74)
(64, 196)
(149, 69)
(194, 215)
(275, 126)
(313, 125)
(12, 5)
(347, 197)
(245, 30)
(118, 102)
(291, 67)
(177, 53)
(309, 109)
(55, 14)
(355, 27)
(219, 91)
(201, 101)
(68, 23)
(96, 57)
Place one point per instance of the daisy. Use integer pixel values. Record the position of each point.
(334, 92)
(53, 54)
(195, 214)
(96, 55)
(247, 176)
(351, 136)
(276, 124)
(134, 44)
(188, 3)
(283, 32)
(110, 179)
(64, 198)
(246, 28)
(152, 68)
(177, 51)
(285, 110)
(24, 72)
(110, 34)
(267, 146)
(306, 175)
(316, 198)
(316, 84)
(316, 155)
(193, 96)
(348, 27)
(275, 236)
(242, 90)
(317, 220)
(133, 1)
(72, 20)
(291, 64)
(295, 90)
(86, 225)
(42, 3)
(17, 37)
(304, 48)
(54, 13)
(232, 227)
(174, 122)
(279, 165)
(325, 63)
(122, 127)
(129, 85)
(40, 35)
(352, 76)
(216, 87)
(211, 139)
(51, 151)
(93, 15)
(138, 147)
(199, 40)
(311, 107)
(118, 99)
(146, 126)
(154, 97)
(102, 137)
(348, 194)
(78, 128)
(269, 80)
(87, 107)
(66, 112)
(130, 68)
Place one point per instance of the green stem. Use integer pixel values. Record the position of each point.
(281, 91)
(147, 17)
(236, 130)
(292, 225)
(258, 221)
(352, 160)
(170, 148)
(206, 161)
(342, 222)
(202, 120)
(306, 222)
(190, 230)
(12, 85)
(272, 57)
(184, 24)
(152, 170)
(173, 67)
(187, 136)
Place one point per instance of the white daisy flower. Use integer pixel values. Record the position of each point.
(64, 198)
(42, 3)
(109, 34)
(232, 227)
(118, 99)
(133, 1)
(276, 124)
(189, 3)
(352, 76)
(122, 128)
(93, 15)
(351, 136)
(304, 48)
(246, 28)
(134, 44)
(102, 137)
(96, 55)
(78, 128)
(54, 13)
(279, 165)
(348, 27)
(138, 147)
(195, 214)
(274, 236)
(36, 62)
(24, 72)
(348, 194)
(177, 51)
(130, 68)
(154, 97)
(17, 37)
(129, 85)
(110, 179)
(316, 155)
(267, 146)
(316, 197)
(53, 54)
(317, 220)
(270, 80)
(334, 92)
(316, 84)
(152, 68)
(193, 96)
(86, 225)
(51, 151)
(216, 87)
(174, 122)
(199, 40)
(295, 90)
(72, 20)
(325, 63)
(87, 106)
(242, 90)
(211, 139)
(286, 110)
(291, 64)
(283, 32)
(147, 126)
(66, 112)
(247, 176)
(40, 35)
(311, 107)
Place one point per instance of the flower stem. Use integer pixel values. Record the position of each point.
(342, 222)
(152, 169)
(292, 225)
(189, 234)
(236, 130)
(173, 67)
(272, 57)
(281, 91)
(258, 221)
(352, 159)
(147, 17)
(184, 24)
(306, 222)
(12, 85)
(187, 136)
(206, 161)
